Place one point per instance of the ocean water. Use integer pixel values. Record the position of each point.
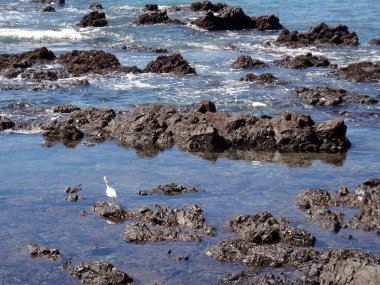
(32, 204)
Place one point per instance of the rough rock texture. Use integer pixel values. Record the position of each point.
(65, 132)
(49, 1)
(333, 266)
(43, 252)
(303, 61)
(156, 17)
(326, 96)
(263, 228)
(227, 19)
(265, 78)
(73, 189)
(325, 218)
(99, 272)
(67, 108)
(141, 233)
(48, 9)
(18, 62)
(374, 42)
(168, 189)
(92, 61)
(246, 61)
(267, 22)
(365, 197)
(5, 123)
(150, 7)
(170, 64)
(40, 75)
(93, 19)
(248, 253)
(110, 211)
(207, 6)
(360, 71)
(95, 6)
(321, 34)
(136, 48)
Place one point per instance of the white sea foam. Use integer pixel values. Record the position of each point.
(40, 35)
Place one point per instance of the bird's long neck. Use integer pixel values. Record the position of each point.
(105, 180)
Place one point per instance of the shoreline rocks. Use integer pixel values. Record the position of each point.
(265, 78)
(168, 189)
(303, 61)
(156, 17)
(93, 19)
(246, 61)
(321, 34)
(364, 71)
(43, 252)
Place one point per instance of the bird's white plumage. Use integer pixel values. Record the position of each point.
(109, 190)
(258, 104)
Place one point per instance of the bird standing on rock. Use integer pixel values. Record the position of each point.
(110, 191)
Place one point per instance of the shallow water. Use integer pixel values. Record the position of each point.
(33, 208)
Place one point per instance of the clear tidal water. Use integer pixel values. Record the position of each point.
(32, 204)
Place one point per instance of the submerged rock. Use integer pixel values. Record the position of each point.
(156, 17)
(303, 61)
(246, 61)
(5, 123)
(67, 108)
(40, 75)
(73, 189)
(170, 64)
(43, 252)
(168, 189)
(265, 78)
(99, 272)
(325, 218)
(360, 71)
(326, 96)
(374, 42)
(93, 19)
(321, 34)
(48, 9)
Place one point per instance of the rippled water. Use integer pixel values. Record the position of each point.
(32, 205)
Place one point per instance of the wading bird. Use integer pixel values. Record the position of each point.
(110, 191)
(258, 105)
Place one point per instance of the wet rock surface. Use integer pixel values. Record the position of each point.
(168, 189)
(374, 42)
(321, 34)
(5, 123)
(95, 6)
(48, 9)
(365, 197)
(62, 132)
(93, 19)
(265, 78)
(303, 61)
(137, 48)
(150, 7)
(246, 61)
(360, 71)
(156, 17)
(206, 6)
(326, 96)
(98, 272)
(67, 108)
(43, 252)
(266, 22)
(170, 64)
(110, 211)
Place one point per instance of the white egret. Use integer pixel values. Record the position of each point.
(258, 105)
(110, 191)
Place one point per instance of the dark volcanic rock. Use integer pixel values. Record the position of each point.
(79, 62)
(67, 108)
(141, 233)
(43, 252)
(314, 198)
(366, 219)
(157, 17)
(144, 49)
(251, 254)
(263, 228)
(61, 132)
(325, 218)
(110, 211)
(92, 118)
(5, 123)
(49, 1)
(207, 6)
(73, 189)
(48, 9)
(72, 197)
(170, 64)
(168, 189)
(374, 42)
(150, 7)
(246, 61)
(26, 59)
(94, 19)
(303, 61)
(360, 71)
(227, 19)
(326, 96)
(265, 78)
(40, 75)
(95, 6)
(99, 272)
(321, 34)
(162, 126)
(264, 23)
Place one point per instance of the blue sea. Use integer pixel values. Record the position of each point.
(33, 208)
